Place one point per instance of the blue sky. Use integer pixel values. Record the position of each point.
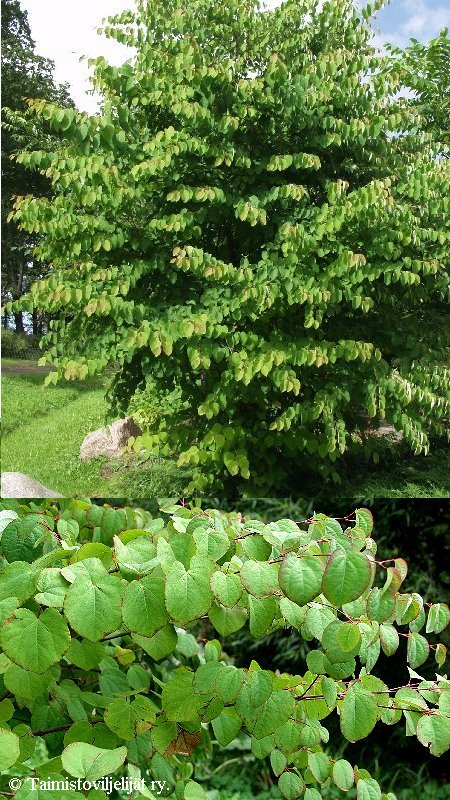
(66, 31)
(402, 20)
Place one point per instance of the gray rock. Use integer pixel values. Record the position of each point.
(16, 484)
(387, 431)
(109, 441)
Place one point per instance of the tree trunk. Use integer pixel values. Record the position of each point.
(18, 320)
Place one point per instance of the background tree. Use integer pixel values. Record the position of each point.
(24, 75)
(258, 235)
(425, 69)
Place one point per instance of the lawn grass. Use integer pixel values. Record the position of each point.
(42, 431)
(403, 475)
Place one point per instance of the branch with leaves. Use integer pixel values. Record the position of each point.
(99, 616)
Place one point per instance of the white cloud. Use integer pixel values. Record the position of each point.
(66, 31)
(421, 19)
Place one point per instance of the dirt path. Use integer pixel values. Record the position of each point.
(24, 368)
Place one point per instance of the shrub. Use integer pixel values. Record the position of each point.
(99, 607)
(255, 224)
(18, 345)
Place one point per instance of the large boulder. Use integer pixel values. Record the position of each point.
(17, 484)
(109, 441)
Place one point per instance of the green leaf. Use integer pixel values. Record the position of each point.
(121, 718)
(163, 734)
(20, 538)
(293, 614)
(349, 638)
(187, 645)
(343, 774)
(211, 543)
(160, 645)
(27, 685)
(259, 687)
(93, 609)
(290, 785)
(35, 643)
(347, 576)
(341, 641)
(288, 736)
(329, 690)
(262, 747)
(138, 557)
(418, 650)
(440, 654)
(80, 731)
(85, 654)
(358, 713)
(6, 710)
(300, 578)
(18, 580)
(83, 760)
(179, 700)
(285, 532)
(188, 593)
(278, 761)
(95, 550)
(51, 588)
(227, 620)
(9, 749)
(262, 614)
(256, 547)
(144, 609)
(277, 709)
(259, 578)
(389, 639)
(312, 794)
(438, 618)
(7, 607)
(206, 676)
(193, 791)
(319, 765)
(138, 678)
(228, 683)
(226, 726)
(227, 588)
(364, 520)
(434, 731)
(368, 789)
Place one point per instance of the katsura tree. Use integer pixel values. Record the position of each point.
(254, 230)
(113, 647)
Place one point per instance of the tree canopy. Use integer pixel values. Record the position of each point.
(254, 231)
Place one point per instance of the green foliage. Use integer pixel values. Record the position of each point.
(258, 235)
(94, 661)
(425, 69)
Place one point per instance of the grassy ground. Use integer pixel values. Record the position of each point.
(405, 476)
(42, 432)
